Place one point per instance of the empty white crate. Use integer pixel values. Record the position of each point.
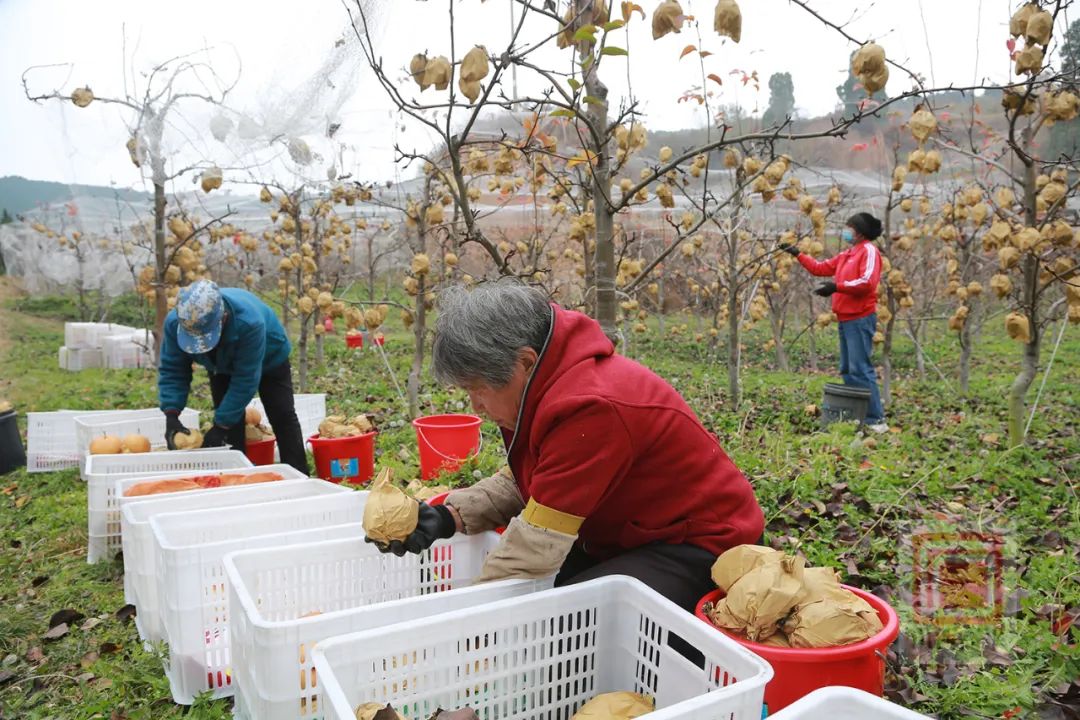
(193, 593)
(50, 439)
(844, 703)
(350, 586)
(544, 655)
(149, 422)
(140, 557)
(310, 411)
(102, 472)
(120, 352)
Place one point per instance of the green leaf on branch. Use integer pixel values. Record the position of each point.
(612, 50)
(613, 25)
(562, 112)
(591, 100)
(585, 32)
(574, 84)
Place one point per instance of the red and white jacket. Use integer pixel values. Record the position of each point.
(857, 271)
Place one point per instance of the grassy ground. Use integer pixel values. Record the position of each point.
(859, 504)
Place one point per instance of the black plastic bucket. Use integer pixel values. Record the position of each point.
(12, 455)
(844, 402)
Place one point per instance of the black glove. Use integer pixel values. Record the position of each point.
(173, 426)
(434, 522)
(826, 289)
(215, 437)
(790, 249)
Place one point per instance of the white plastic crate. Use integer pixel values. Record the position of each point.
(102, 472)
(844, 703)
(50, 439)
(352, 586)
(76, 359)
(192, 587)
(140, 558)
(91, 335)
(544, 655)
(310, 411)
(149, 422)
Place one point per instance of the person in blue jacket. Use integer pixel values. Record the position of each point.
(244, 348)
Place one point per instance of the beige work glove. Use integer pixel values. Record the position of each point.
(526, 551)
(489, 504)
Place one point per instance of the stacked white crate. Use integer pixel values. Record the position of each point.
(50, 439)
(102, 472)
(124, 352)
(192, 587)
(285, 600)
(140, 559)
(148, 422)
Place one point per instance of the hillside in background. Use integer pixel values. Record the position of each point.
(17, 194)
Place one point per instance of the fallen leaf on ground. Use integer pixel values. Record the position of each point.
(56, 633)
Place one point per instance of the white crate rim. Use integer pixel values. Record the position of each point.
(161, 519)
(256, 617)
(124, 483)
(835, 698)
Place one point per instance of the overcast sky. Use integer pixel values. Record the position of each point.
(284, 45)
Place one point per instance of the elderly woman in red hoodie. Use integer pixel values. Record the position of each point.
(855, 272)
(609, 470)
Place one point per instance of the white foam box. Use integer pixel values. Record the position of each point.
(543, 656)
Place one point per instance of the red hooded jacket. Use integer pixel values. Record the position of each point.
(601, 437)
(857, 271)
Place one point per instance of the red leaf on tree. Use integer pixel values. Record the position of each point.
(858, 147)
(715, 78)
(686, 51)
(1011, 44)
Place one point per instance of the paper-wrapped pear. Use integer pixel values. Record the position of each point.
(738, 561)
(615, 706)
(389, 514)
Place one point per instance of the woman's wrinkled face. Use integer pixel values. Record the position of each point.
(501, 405)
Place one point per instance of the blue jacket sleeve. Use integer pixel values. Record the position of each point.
(250, 349)
(174, 373)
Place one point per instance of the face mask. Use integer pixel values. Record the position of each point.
(847, 235)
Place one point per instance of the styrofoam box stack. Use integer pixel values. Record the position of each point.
(844, 703)
(76, 359)
(91, 335)
(285, 600)
(102, 472)
(50, 439)
(149, 423)
(310, 411)
(544, 655)
(192, 587)
(140, 558)
(121, 352)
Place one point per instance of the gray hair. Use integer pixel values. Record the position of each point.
(480, 332)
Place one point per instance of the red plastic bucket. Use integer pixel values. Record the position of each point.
(261, 452)
(445, 441)
(349, 459)
(799, 671)
(354, 341)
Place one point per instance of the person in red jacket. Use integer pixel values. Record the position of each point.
(856, 272)
(609, 470)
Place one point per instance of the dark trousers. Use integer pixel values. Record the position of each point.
(276, 393)
(681, 573)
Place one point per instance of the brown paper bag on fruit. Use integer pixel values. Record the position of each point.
(377, 711)
(763, 597)
(840, 618)
(615, 706)
(389, 514)
(738, 561)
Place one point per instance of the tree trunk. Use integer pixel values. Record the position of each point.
(777, 324)
(371, 267)
(811, 340)
(660, 302)
(965, 353)
(886, 351)
(302, 351)
(161, 301)
(915, 328)
(734, 321)
(1029, 363)
(419, 332)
